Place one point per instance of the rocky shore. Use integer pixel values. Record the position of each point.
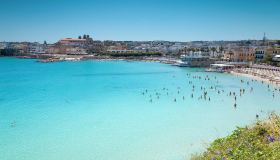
(47, 58)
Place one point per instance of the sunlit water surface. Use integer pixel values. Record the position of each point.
(94, 110)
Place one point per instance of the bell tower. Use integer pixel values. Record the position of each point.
(264, 39)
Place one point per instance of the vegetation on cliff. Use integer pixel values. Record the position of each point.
(259, 141)
(8, 52)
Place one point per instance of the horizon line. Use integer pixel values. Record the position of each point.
(148, 40)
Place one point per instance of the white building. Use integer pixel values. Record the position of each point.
(198, 54)
(260, 52)
(37, 48)
(3, 45)
(176, 47)
(276, 58)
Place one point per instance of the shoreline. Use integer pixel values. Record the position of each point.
(258, 78)
(47, 58)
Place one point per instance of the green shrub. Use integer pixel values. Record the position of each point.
(260, 141)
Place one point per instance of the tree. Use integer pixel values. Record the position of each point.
(84, 36)
(230, 55)
(80, 37)
(248, 42)
(8, 52)
(213, 49)
(45, 42)
(267, 58)
(185, 50)
(221, 48)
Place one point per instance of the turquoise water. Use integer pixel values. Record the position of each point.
(96, 110)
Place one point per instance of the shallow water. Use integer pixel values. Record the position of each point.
(96, 110)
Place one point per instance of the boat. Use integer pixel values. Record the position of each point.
(180, 63)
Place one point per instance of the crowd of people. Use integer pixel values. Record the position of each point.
(205, 92)
(269, 75)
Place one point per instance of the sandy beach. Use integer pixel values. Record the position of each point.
(268, 76)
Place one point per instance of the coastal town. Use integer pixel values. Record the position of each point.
(140, 80)
(218, 56)
(247, 51)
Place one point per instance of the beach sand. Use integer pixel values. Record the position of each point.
(258, 78)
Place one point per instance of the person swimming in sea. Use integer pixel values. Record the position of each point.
(205, 93)
(13, 124)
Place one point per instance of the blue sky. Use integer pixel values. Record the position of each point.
(174, 20)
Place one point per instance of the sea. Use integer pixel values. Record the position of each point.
(121, 110)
